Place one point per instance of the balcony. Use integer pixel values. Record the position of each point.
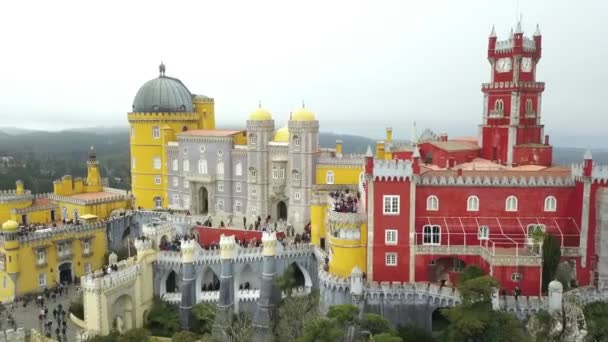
(65, 255)
(87, 252)
(40, 263)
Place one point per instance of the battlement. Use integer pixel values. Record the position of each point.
(599, 173)
(531, 181)
(143, 244)
(63, 231)
(392, 169)
(346, 160)
(79, 201)
(128, 270)
(504, 46)
(7, 196)
(513, 86)
(181, 116)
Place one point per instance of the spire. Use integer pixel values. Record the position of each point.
(518, 27)
(537, 32)
(92, 154)
(416, 153)
(511, 34)
(493, 33)
(414, 135)
(369, 153)
(161, 69)
(588, 155)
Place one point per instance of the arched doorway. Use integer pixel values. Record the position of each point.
(439, 321)
(281, 210)
(171, 282)
(203, 198)
(65, 273)
(209, 281)
(122, 314)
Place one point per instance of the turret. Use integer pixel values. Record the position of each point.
(356, 284)
(492, 43)
(556, 290)
(260, 130)
(369, 162)
(339, 148)
(389, 134)
(188, 288)
(518, 37)
(93, 183)
(19, 189)
(538, 40)
(225, 305)
(416, 161)
(587, 164)
(269, 292)
(10, 230)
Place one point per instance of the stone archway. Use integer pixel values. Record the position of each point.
(301, 275)
(438, 321)
(122, 314)
(64, 273)
(281, 211)
(203, 201)
(171, 282)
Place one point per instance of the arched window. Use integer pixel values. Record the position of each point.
(156, 163)
(329, 177)
(175, 164)
(431, 235)
(550, 203)
(253, 172)
(296, 140)
(511, 203)
(238, 169)
(220, 168)
(499, 106)
(515, 277)
(252, 139)
(295, 175)
(202, 166)
(529, 109)
(238, 207)
(473, 203)
(158, 202)
(483, 233)
(186, 165)
(432, 203)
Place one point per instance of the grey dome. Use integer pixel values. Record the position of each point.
(163, 94)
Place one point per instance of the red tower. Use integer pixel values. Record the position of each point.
(511, 131)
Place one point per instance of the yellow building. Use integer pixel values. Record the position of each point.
(162, 108)
(342, 234)
(31, 262)
(70, 199)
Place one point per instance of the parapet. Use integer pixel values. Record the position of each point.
(227, 247)
(188, 247)
(392, 169)
(269, 241)
(599, 173)
(142, 244)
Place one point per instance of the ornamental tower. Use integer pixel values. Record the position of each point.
(260, 130)
(303, 152)
(162, 108)
(511, 132)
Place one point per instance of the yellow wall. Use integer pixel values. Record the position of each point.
(5, 208)
(102, 210)
(144, 148)
(206, 110)
(240, 138)
(317, 223)
(346, 254)
(38, 216)
(342, 174)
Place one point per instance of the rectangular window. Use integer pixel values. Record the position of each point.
(390, 259)
(186, 202)
(157, 180)
(220, 204)
(296, 175)
(275, 173)
(186, 184)
(86, 247)
(175, 199)
(42, 279)
(297, 195)
(186, 165)
(175, 164)
(220, 186)
(254, 191)
(132, 132)
(4, 281)
(238, 187)
(156, 132)
(238, 207)
(87, 268)
(41, 257)
(390, 237)
(156, 163)
(391, 205)
(175, 181)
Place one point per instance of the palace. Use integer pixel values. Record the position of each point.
(180, 161)
(435, 205)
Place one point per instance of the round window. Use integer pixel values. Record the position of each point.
(203, 148)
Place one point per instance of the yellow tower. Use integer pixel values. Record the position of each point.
(93, 182)
(10, 250)
(162, 108)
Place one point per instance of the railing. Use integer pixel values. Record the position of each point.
(66, 229)
(128, 270)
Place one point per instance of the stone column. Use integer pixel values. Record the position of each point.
(225, 305)
(188, 287)
(555, 296)
(270, 294)
(356, 288)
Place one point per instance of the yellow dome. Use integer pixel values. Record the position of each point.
(10, 225)
(303, 114)
(281, 135)
(260, 114)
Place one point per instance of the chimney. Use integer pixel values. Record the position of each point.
(369, 162)
(416, 161)
(338, 148)
(588, 164)
(443, 136)
(459, 172)
(547, 139)
(389, 134)
(451, 163)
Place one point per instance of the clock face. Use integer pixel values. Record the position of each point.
(504, 64)
(526, 64)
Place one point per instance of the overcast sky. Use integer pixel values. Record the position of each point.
(360, 66)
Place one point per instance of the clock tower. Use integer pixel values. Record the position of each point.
(511, 132)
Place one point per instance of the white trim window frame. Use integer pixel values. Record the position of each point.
(431, 235)
(390, 259)
(391, 236)
(391, 204)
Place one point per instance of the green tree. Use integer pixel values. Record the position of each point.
(413, 333)
(134, 335)
(596, 315)
(375, 324)
(551, 257)
(344, 314)
(470, 272)
(204, 315)
(386, 337)
(77, 307)
(321, 329)
(184, 336)
(287, 282)
(293, 314)
(478, 289)
(241, 327)
(163, 319)
(112, 337)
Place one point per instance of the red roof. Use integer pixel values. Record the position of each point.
(504, 231)
(211, 132)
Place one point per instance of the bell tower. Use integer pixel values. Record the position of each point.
(511, 132)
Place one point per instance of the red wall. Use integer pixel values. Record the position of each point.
(207, 236)
(530, 280)
(495, 136)
(382, 222)
(533, 155)
(441, 157)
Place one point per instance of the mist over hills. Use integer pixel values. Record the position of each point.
(43, 156)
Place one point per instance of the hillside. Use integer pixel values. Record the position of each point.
(45, 156)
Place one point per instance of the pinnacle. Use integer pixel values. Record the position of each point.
(537, 32)
(493, 33)
(518, 28)
(369, 152)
